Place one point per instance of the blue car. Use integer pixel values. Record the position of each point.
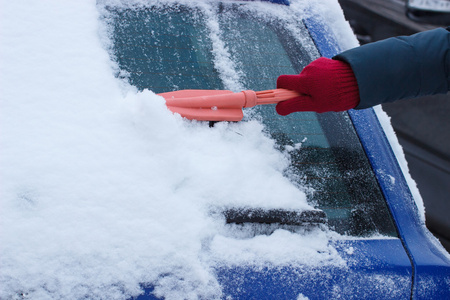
(344, 162)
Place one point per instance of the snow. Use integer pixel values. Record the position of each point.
(264, 249)
(104, 189)
(330, 12)
(227, 69)
(302, 297)
(400, 155)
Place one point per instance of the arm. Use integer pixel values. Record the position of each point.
(401, 67)
(385, 71)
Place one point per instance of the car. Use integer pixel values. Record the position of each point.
(347, 163)
(433, 12)
(107, 194)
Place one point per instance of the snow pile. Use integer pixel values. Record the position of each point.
(102, 188)
(315, 248)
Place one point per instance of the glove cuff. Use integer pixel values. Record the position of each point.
(347, 95)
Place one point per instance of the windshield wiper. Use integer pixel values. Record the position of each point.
(274, 216)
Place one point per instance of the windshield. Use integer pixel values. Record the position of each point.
(173, 48)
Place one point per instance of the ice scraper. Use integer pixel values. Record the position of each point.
(221, 105)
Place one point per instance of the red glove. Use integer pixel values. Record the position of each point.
(325, 85)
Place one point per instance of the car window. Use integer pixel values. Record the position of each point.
(167, 48)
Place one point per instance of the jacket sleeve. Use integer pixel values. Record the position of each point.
(401, 67)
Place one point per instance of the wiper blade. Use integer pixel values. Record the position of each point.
(278, 216)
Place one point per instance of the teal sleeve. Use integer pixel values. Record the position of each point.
(401, 67)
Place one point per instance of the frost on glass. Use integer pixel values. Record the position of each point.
(164, 49)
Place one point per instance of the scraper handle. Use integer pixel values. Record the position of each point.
(275, 96)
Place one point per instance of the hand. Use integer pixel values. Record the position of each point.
(325, 85)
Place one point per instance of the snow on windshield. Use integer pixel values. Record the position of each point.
(103, 189)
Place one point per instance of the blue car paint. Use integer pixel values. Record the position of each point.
(374, 269)
(409, 267)
(368, 263)
(430, 266)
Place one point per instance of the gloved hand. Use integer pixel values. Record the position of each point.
(325, 85)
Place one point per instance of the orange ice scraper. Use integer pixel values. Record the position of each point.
(220, 105)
